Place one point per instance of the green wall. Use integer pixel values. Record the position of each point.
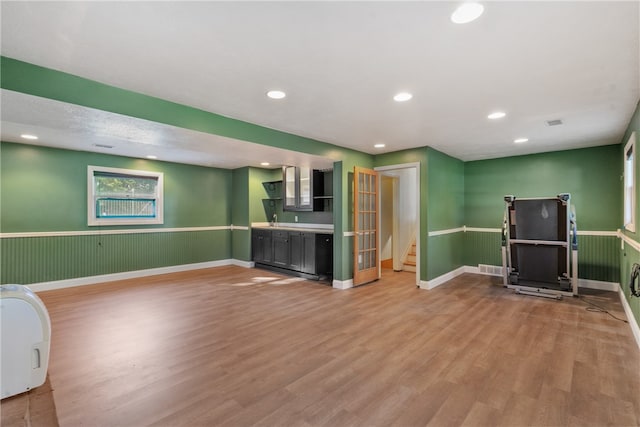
(44, 190)
(445, 206)
(591, 175)
(629, 255)
(240, 200)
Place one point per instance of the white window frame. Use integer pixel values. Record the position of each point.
(629, 184)
(93, 220)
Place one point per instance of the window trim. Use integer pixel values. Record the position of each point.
(630, 146)
(93, 220)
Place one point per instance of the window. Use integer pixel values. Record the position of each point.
(630, 183)
(123, 196)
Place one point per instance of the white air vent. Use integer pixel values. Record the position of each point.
(555, 122)
(103, 146)
(491, 270)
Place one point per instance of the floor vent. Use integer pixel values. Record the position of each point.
(492, 270)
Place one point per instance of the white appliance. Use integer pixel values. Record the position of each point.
(25, 333)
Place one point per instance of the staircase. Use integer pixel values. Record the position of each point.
(409, 263)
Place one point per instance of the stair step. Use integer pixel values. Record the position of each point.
(411, 263)
(411, 257)
(411, 268)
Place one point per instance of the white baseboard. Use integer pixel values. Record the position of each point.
(492, 270)
(245, 264)
(442, 279)
(633, 323)
(597, 284)
(474, 270)
(92, 280)
(342, 284)
(583, 283)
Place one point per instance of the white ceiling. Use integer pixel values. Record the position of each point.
(340, 64)
(74, 127)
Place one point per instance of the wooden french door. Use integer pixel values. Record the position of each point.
(365, 207)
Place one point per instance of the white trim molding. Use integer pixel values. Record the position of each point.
(464, 228)
(348, 233)
(448, 231)
(108, 232)
(598, 233)
(103, 278)
(482, 230)
(629, 241)
(342, 284)
(442, 279)
(487, 271)
(239, 227)
(241, 263)
(633, 324)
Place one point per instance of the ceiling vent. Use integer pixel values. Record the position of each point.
(103, 146)
(556, 122)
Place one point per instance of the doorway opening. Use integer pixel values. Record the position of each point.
(399, 219)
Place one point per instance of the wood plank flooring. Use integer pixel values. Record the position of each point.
(236, 347)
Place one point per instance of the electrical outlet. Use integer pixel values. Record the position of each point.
(295, 218)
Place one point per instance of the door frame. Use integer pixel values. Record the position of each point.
(416, 166)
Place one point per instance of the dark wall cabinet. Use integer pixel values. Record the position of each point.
(306, 189)
(303, 253)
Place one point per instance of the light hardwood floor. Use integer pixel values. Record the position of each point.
(233, 346)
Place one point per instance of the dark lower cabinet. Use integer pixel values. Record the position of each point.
(261, 248)
(324, 254)
(280, 242)
(296, 257)
(306, 253)
(309, 252)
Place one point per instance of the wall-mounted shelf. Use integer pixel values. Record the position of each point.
(320, 184)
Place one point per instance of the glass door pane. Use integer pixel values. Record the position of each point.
(365, 226)
(305, 188)
(289, 187)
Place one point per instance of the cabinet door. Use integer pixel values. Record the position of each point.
(308, 253)
(305, 184)
(266, 247)
(295, 248)
(324, 255)
(261, 246)
(280, 245)
(290, 184)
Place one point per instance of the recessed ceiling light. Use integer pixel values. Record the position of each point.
(402, 96)
(496, 115)
(276, 94)
(379, 146)
(520, 140)
(467, 12)
(27, 136)
(152, 157)
(265, 164)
